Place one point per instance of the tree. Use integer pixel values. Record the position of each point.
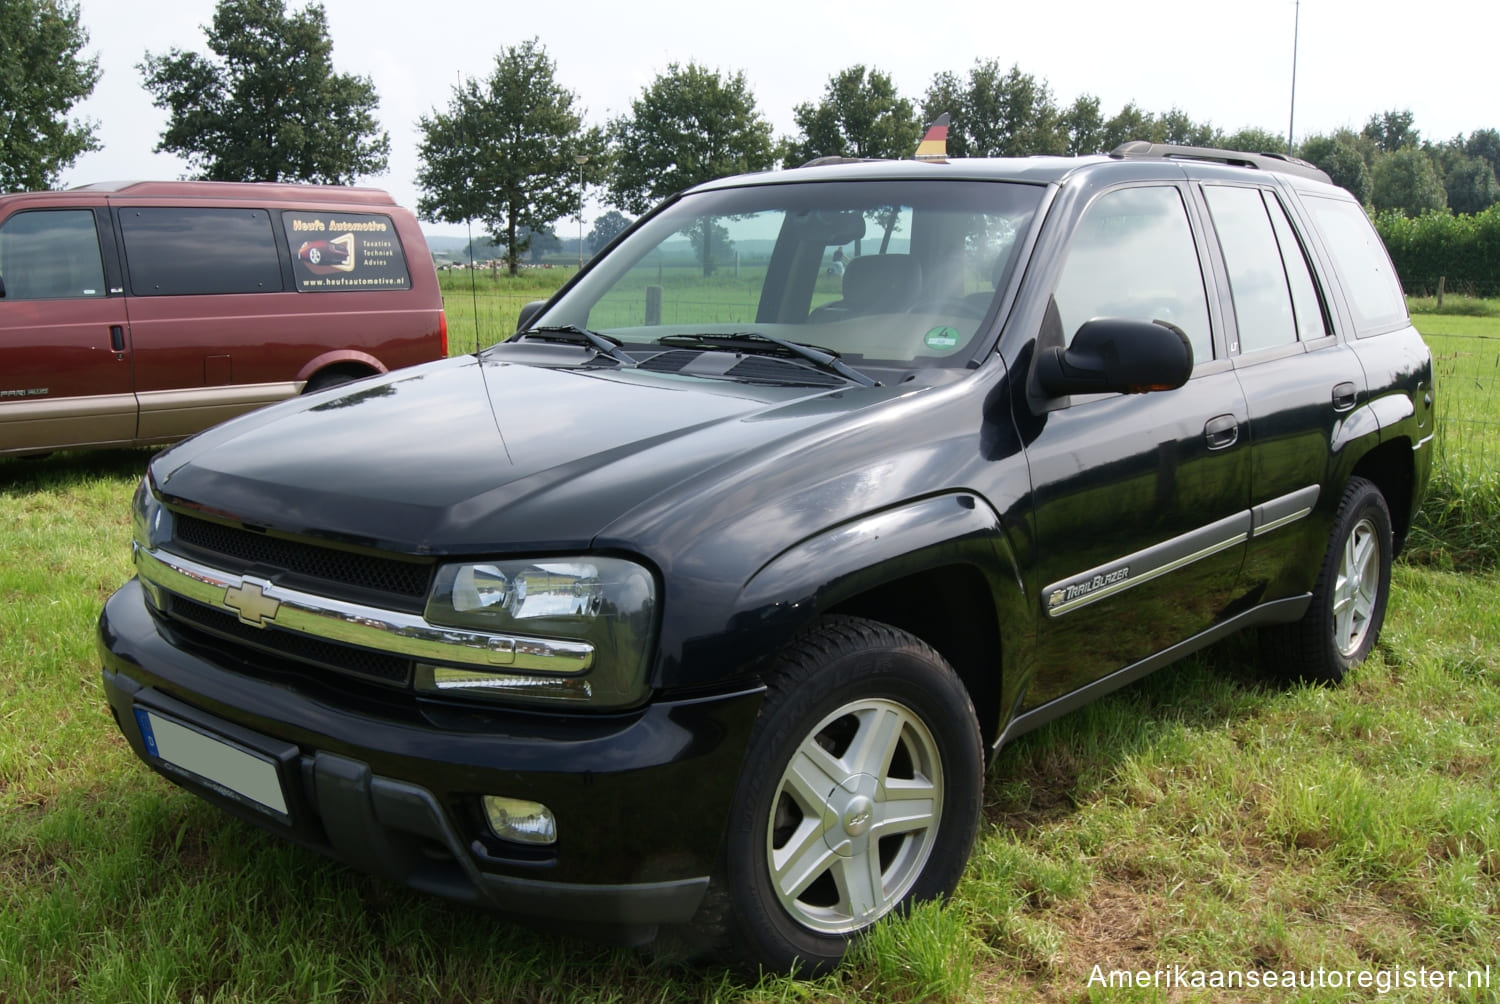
(268, 107)
(690, 125)
(41, 79)
(995, 114)
(1392, 131)
(860, 115)
(1132, 123)
(1471, 185)
(1084, 126)
(606, 228)
(1406, 180)
(1253, 140)
(1485, 144)
(1340, 156)
(1182, 130)
(505, 152)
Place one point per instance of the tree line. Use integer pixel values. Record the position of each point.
(512, 151)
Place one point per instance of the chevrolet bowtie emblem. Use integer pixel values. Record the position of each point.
(251, 602)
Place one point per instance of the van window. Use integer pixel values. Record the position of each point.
(51, 255)
(1374, 294)
(336, 252)
(174, 252)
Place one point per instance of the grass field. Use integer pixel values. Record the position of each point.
(1205, 818)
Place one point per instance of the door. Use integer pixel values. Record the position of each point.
(1140, 501)
(65, 362)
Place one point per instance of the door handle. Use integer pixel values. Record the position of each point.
(1221, 432)
(117, 337)
(1344, 396)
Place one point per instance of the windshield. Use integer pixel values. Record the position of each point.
(876, 272)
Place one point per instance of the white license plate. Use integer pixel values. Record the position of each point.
(222, 764)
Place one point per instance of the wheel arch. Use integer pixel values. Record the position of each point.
(940, 568)
(1391, 467)
(344, 361)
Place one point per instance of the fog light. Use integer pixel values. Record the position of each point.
(519, 820)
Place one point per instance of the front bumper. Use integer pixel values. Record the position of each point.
(393, 789)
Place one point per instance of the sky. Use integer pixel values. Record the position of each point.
(1228, 64)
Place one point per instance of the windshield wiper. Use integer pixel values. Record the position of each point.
(752, 341)
(573, 333)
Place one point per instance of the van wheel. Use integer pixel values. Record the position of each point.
(860, 794)
(330, 378)
(1348, 605)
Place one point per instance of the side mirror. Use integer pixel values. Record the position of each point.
(1114, 356)
(528, 314)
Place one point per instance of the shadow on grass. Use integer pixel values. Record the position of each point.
(47, 472)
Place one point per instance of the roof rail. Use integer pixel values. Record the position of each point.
(837, 159)
(1139, 149)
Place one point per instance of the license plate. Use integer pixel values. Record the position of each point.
(223, 765)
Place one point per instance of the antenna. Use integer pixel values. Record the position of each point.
(468, 220)
(1292, 115)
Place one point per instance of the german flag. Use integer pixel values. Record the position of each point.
(934, 145)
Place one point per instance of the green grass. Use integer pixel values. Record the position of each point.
(1204, 818)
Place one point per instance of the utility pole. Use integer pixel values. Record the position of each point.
(1292, 115)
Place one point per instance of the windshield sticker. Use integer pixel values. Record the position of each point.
(942, 338)
(345, 251)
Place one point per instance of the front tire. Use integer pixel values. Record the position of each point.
(860, 794)
(1348, 605)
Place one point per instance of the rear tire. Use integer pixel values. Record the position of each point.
(859, 795)
(1341, 626)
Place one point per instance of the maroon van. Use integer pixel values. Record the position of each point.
(136, 313)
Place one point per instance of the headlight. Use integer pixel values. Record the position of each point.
(610, 603)
(150, 521)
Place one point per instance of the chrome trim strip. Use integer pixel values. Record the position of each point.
(1289, 508)
(1422, 442)
(1149, 563)
(260, 603)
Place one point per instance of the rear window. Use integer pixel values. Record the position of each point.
(185, 251)
(334, 252)
(1369, 280)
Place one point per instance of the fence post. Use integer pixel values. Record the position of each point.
(653, 304)
(1442, 281)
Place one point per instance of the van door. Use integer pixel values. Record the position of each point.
(65, 362)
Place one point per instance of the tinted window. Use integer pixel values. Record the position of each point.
(1361, 261)
(898, 272)
(1133, 257)
(181, 251)
(334, 252)
(51, 255)
(1306, 305)
(1257, 279)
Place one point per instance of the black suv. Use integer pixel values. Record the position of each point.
(702, 601)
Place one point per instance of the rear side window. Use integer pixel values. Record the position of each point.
(337, 252)
(175, 252)
(51, 254)
(1364, 267)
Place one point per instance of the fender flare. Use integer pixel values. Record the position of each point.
(873, 550)
(337, 357)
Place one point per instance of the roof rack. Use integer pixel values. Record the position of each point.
(1139, 149)
(837, 159)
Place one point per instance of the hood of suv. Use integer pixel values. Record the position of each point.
(483, 455)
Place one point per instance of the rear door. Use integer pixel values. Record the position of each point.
(1300, 381)
(65, 359)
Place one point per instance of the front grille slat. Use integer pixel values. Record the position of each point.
(236, 549)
